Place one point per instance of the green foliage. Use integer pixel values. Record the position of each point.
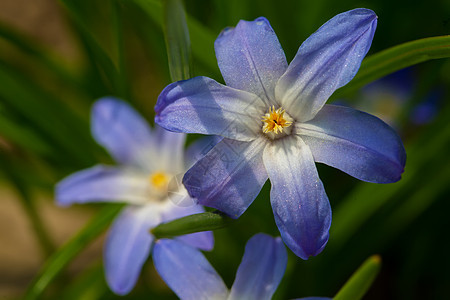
(44, 135)
(359, 283)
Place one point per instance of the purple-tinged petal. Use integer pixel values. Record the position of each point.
(199, 148)
(103, 184)
(201, 105)
(121, 130)
(128, 246)
(327, 60)
(261, 269)
(187, 272)
(202, 240)
(168, 150)
(300, 206)
(229, 177)
(355, 142)
(250, 58)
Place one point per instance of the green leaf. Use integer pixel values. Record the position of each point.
(192, 223)
(89, 285)
(56, 263)
(22, 136)
(361, 280)
(8, 165)
(40, 55)
(396, 58)
(202, 38)
(99, 58)
(178, 44)
(45, 114)
(117, 30)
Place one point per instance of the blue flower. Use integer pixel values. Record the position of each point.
(145, 179)
(189, 274)
(393, 95)
(276, 125)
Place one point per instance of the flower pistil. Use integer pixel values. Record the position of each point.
(159, 181)
(276, 121)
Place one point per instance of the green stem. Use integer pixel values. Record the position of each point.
(192, 223)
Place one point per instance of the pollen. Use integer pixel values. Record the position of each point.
(276, 121)
(159, 180)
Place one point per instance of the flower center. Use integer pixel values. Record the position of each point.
(276, 123)
(159, 181)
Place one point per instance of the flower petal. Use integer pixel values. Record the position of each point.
(355, 142)
(250, 58)
(199, 148)
(327, 60)
(187, 272)
(203, 240)
(103, 184)
(201, 105)
(121, 130)
(261, 269)
(229, 177)
(128, 246)
(168, 150)
(301, 208)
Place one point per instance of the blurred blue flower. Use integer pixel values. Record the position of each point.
(275, 124)
(189, 274)
(393, 96)
(145, 179)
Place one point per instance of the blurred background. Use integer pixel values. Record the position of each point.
(58, 57)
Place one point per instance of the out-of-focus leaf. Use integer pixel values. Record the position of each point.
(123, 88)
(46, 115)
(8, 166)
(90, 285)
(367, 198)
(56, 263)
(424, 195)
(99, 58)
(21, 136)
(202, 39)
(39, 55)
(361, 280)
(192, 223)
(178, 44)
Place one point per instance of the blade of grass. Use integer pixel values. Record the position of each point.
(99, 58)
(202, 39)
(23, 191)
(361, 280)
(21, 136)
(46, 115)
(117, 29)
(178, 44)
(60, 259)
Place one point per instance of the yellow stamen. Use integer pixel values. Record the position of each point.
(159, 180)
(275, 120)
